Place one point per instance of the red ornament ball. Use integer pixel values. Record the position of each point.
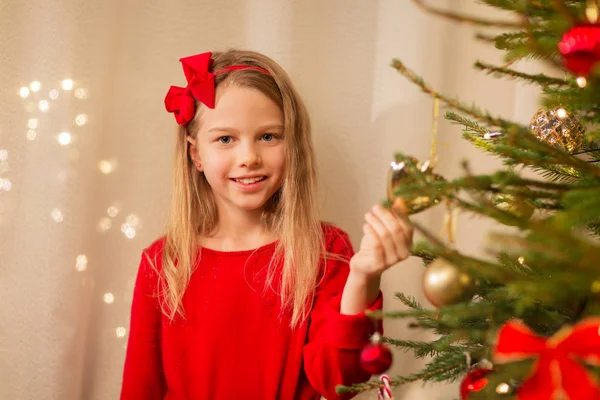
(375, 358)
(474, 382)
(580, 48)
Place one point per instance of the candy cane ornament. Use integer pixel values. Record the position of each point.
(386, 391)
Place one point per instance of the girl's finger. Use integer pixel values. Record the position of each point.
(400, 210)
(369, 237)
(385, 237)
(400, 230)
(375, 247)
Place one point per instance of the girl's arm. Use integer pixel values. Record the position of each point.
(387, 240)
(359, 293)
(143, 376)
(335, 340)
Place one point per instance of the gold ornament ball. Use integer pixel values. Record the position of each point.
(559, 128)
(520, 208)
(444, 284)
(409, 173)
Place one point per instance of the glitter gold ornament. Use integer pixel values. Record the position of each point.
(411, 172)
(519, 207)
(444, 284)
(559, 128)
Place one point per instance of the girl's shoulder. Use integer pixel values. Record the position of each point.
(156, 247)
(334, 235)
(154, 251)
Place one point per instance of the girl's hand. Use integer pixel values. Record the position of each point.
(387, 240)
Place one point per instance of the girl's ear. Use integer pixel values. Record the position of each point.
(193, 151)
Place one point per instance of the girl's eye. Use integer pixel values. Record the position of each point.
(268, 137)
(225, 139)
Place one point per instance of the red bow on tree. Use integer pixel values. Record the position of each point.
(201, 87)
(557, 371)
(580, 47)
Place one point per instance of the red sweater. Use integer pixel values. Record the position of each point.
(235, 343)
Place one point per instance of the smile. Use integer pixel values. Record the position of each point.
(250, 185)
(248, 181)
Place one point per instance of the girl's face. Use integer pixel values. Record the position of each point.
(239, 142)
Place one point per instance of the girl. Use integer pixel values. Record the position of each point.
(248, 295)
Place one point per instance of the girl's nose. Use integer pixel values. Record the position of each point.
(249, 155)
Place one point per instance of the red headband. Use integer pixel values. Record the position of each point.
(200, 86)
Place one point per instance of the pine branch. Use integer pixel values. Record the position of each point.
(518, 267)
(539, 152)
(594, 226)
(557, 173)
(508, 41)
(471, 110)
(457, 17)
(544, 46)
(444, 367)
(551, 243)
(540, 79)
(571, 17)
(529, 8)
(446, 344)
(476, 267)
(409, 301)
(423, 253)
(500, 148)
(470, 125)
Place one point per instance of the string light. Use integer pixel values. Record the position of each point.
(43, 105)
(128, 230)
(107, 166)
(81, 263)
(113, 211)
(35, 86)
(133, 220)
(81, 119)
(5, 184)
(57, 215)
(104, 224)
(67, 84)
(81, 93)
(591, 11)
(491, 135)
(64, 138)
(503, 388)
(109, 298)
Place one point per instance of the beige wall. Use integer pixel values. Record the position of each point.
(58, 336)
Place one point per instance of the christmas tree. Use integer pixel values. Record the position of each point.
(525, 323)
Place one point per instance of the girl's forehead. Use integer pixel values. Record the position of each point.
(242, 108)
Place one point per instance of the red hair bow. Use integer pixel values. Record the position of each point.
(557, 370)
(200, 86)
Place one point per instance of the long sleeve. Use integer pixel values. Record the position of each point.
(143, 376)
(332, 353)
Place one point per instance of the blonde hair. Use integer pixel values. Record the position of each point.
(291, 213)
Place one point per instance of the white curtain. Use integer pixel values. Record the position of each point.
(86, 147)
